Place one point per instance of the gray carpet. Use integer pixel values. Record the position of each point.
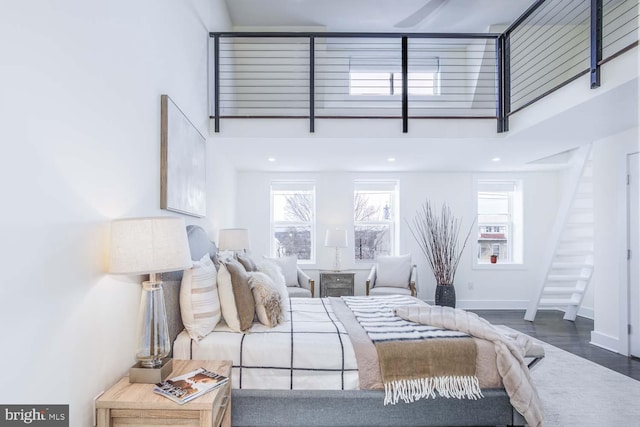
(577, 392)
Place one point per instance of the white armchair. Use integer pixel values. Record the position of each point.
(392, 275)
(305, 288)
(298, 283)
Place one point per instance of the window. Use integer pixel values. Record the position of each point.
(390, 83)
(499, 204)
(380, 77)
(293, 211)
(375, 218)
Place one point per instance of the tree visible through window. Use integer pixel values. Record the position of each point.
(374, 209)
(293, 220)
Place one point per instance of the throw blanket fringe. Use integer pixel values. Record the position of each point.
(450, 387)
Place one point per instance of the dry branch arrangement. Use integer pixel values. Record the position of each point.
(438, 238)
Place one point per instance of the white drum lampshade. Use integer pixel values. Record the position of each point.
(233, 239)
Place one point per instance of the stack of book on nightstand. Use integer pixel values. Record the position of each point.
(186, 387)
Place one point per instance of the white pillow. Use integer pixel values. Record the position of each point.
(393, 271)
(267, 297)
(199, 302)
(272, 270)
(289, 267)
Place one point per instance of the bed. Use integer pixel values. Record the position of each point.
(320, 385)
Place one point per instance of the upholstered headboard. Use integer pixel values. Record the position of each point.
(199, 244)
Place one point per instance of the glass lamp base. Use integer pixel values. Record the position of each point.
(151, 363)
(153, 330)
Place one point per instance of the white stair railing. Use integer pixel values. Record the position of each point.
(568, 262)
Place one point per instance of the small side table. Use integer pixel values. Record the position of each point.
(134, 403)
(336, 284)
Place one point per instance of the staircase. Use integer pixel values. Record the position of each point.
(569, 258)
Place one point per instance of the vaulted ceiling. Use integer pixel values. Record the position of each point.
(462, 16)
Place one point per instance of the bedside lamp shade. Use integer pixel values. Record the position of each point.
(336, 238)
(150, 246)
(233, 239)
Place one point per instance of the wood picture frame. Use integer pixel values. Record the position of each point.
(182, 162)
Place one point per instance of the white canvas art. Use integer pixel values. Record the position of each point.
(182, 162)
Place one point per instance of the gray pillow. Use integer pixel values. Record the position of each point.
(236, 299)
(247, 262)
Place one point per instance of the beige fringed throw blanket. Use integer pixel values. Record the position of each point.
(412, 370)
(509, 353)
(416, 361)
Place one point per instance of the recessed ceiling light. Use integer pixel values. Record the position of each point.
(495, 159)
(271, 159)
(391, 159)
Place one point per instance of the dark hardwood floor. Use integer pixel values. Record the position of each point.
(573, 337)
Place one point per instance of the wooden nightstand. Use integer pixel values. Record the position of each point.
(336, 284)
(136, 404)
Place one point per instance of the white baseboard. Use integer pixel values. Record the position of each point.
(586, 312)
(605, 341)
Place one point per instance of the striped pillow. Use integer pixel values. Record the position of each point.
(199, 302)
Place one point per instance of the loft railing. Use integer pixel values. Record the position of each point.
(348, 75)
(558, 41)
(620, 20)
(415, 75)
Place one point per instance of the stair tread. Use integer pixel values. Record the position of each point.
(574, 252)
(566, 277)
(577, 239)
(557, 301)
(584, 194)
(580, 210)
(559, 290)
(570, 265)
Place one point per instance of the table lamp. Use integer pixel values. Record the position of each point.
(336, 238)
(150, 246)
(233, 239)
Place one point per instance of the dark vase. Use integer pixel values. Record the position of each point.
(446, 295)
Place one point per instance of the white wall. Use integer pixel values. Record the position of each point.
(610, 270)
(500, 287)
(80, 129)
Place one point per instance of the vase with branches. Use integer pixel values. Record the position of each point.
(438, 235)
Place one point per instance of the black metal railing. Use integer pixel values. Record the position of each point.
(416, 75)
(558, 41)
(550, 47)
(346, 75)
(620, 19)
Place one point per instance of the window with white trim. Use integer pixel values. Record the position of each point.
(499, 225)
(375, 219)
(380, 77)
(293, 215)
